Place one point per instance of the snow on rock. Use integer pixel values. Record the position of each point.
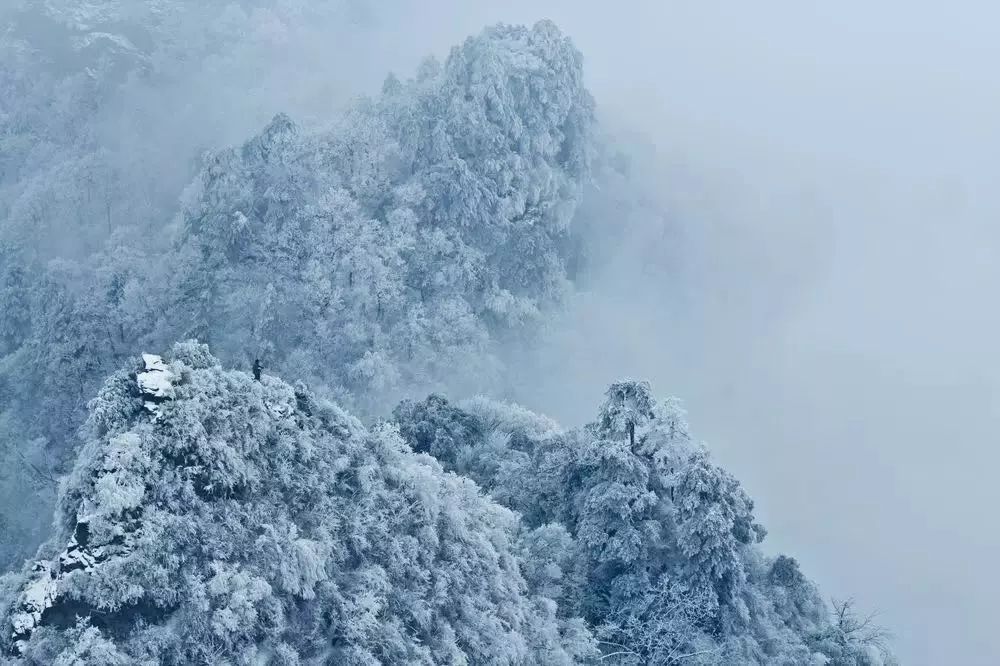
(39, 595)
(42, 593)
(279, 409)
(76, 557)
(156, 383)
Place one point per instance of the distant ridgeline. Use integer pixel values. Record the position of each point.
(210, 518)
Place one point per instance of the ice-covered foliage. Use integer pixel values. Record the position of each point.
(629, 405)
(211, 518)
(660, 626)
(635, 529)
(431, 220)
(249, 522)
(392, 252)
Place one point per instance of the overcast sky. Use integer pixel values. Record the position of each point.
(832, 327)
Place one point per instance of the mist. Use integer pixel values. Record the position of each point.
(827, 324)
(825, 175)
(829, 174)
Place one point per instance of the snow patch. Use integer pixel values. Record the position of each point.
(42, 592)
(156, 383)
(38, 596)
(76, 557)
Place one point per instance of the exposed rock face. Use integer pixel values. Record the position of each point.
(156, 383)
(38, 596)
(41, 596)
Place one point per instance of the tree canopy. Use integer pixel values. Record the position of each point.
(210, 517)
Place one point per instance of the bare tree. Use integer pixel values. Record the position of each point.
(857, 634)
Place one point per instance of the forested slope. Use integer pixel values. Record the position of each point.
(390, 254)
(211, 517)
(644, 537)
(203, 516)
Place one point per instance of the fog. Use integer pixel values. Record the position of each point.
(830, 172)
(827, 172)
(828, 326)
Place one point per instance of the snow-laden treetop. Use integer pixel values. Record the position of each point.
(247, 520)
(211, 517)
(428, 221)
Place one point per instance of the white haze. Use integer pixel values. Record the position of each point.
(829, 174)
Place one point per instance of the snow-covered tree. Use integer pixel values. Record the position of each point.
(210, 517)
(652, 543)
(663, 626)
(628, 405)
(855, 639)
(345, 258)
(714, 520)
(429, 221)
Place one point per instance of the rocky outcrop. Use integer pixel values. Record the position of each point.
(42, 596)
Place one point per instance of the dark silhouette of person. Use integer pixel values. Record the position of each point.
(257, 367)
